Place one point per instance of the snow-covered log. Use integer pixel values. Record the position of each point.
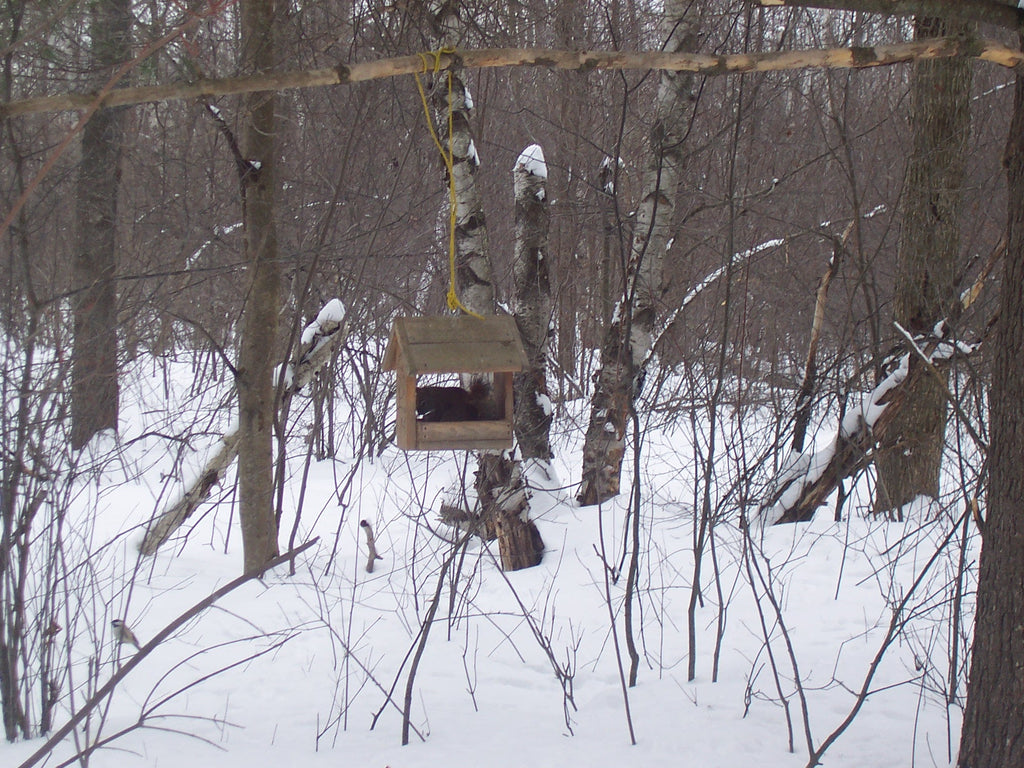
(809, 477)
(317, 343)
(161, 529)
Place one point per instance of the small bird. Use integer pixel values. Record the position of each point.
(124, 633)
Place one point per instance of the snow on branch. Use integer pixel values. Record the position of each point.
(809, 477)
(531, 160)
(318, 341)
(738, 259)
(316, 345)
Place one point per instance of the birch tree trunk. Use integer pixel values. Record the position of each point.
(628, 337)
(94, 387)
(532, 304)
(992, 734)
(499, 483)
(255, 384)
(910, 459)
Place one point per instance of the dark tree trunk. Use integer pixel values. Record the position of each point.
(256, 396)
(94, 389)
(909, 461)
(609, 271)
(993, 735)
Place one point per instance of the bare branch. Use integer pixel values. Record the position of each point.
(371, 546)
(491, 58)
(1002, 13)
(166, 632)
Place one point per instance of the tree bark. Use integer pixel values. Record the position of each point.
(709, 65)
(809, 384)
(532, 304)
(992, 736)
(910, 458)
(94, 386)
(254, 381)
(628, 337)
(501, 489)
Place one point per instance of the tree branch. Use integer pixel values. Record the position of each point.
(491, 58)
(1002, 13)
(162, 635)
(314, 354)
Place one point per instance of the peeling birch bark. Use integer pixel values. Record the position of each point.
(629, 336)
(532, 303)
(499, 483)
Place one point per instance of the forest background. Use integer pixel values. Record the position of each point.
(801, 269)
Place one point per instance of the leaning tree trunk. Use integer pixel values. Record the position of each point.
(94, 388)
(992, 736)
(909, 461)
(532, 303)
(628, 337)
(254, 380)
(500, 486)
(326, 334)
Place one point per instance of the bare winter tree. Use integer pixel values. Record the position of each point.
(532, 303)
(500, 485)
(320, 181)
(992, 734)
(910, 458)
(256, 395)
(628, 337)
(94, 389)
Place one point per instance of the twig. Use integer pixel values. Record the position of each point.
(428, 621)
(371, 546)
(602, 553)
(895, 625)
(148, 648)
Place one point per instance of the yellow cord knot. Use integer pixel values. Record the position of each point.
(425, 57)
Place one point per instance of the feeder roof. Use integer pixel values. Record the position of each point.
(464, 344)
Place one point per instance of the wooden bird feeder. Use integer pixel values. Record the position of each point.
(421, 346)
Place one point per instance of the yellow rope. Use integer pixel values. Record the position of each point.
(448, 157)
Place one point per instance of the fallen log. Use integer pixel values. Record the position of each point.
(317, 343)
(810, 476)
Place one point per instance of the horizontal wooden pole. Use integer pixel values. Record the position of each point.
(491, 58)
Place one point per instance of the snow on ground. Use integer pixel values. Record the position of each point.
(292, 669)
